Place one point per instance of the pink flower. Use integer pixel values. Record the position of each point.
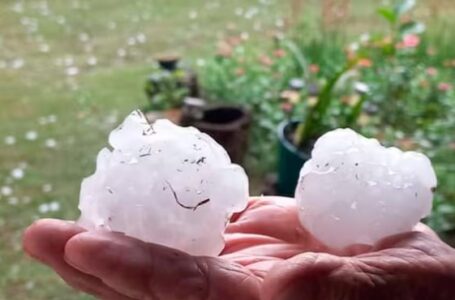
(234, 41)
(409, 41)
(431, 51)
(224, 49)
(287, 107)
(314, 69)
(432, 71)
(240, 72)
(444, 86)
(279, 53)
(365, 63)
(265, 60)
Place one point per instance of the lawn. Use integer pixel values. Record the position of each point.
(69, 72)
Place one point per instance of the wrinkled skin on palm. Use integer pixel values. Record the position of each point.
(268, 256)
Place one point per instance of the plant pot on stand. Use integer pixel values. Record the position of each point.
(167, 87)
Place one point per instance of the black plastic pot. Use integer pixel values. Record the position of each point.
(228, 125)
(449, 237)
(290, 160)
(168, 63)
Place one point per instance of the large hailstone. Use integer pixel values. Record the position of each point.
(354, 191)
(164, 184)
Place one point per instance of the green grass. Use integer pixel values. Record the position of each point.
(88, 105)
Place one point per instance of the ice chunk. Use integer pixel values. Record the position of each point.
(354, 191)
(164, 184)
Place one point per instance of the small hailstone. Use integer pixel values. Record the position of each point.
(279, 23)
(47, 188)
(10, 140)
(200, 62)
(17, 173)
(192, 14)
(54, 206)
(72, 71)
(44, 48)
(6, 190)
(43, 208)
(13, 201)
(52, 118)
(141, 38)
(244, 36)
(17, 63)
(84, 37)
(121, 52)
(354, 191)
(31, 135)
(30, 285)
(164, 184)
(49, 207)
(50, 143)
(132, 41)
(92, 61)
(68, 61)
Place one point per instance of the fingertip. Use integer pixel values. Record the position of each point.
(82, 249)
(98, 252)
(46, 238)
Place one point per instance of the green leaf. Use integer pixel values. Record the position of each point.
(308, 128)
(388, 14)
(355, 112)
(404, 6)
(298, 55)
(412, 27)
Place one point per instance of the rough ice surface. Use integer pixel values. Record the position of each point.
(354, 191)
(164, 184)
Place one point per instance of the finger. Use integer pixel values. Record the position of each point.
(144, 271)
(45, 241)
(275, 217)
(234, 242)
(421, 239)
(425, 229)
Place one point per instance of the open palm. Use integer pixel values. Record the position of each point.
(268, 255)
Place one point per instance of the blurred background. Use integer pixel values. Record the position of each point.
(264, 77)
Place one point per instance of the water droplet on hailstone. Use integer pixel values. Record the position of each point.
(164, 184)
(354, 191)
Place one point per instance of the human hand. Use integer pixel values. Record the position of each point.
(268, 256)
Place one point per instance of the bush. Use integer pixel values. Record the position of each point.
(405, 98)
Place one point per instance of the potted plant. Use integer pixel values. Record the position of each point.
(167, 86)
(297, 136)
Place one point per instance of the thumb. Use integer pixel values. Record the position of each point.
(149, 271)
